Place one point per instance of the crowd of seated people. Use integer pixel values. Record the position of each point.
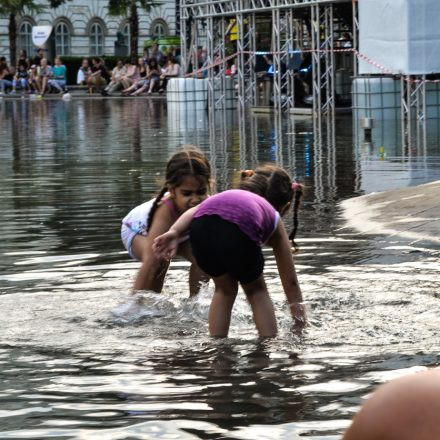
(36, 76)
(150, 74)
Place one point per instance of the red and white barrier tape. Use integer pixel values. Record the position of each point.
(354, 51)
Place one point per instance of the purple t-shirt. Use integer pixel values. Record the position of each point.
(253, 214)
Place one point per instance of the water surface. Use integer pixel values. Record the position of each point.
(81, 358)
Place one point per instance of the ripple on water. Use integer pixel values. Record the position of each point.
(82, 358)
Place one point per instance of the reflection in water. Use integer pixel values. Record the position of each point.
(69, 171)
(386, 162)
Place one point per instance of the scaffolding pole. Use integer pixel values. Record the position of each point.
(185, 37)
(323, 67)
(241, 84)
(355, 36)
(216, 53)
(316, 66)
(413, 111)
(283, 39)
(246, 75)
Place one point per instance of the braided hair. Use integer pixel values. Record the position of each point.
(275, 185)
(299, 192)
(187, 162)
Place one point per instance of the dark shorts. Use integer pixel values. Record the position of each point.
(220, 248)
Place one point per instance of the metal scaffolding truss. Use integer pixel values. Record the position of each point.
(216, 54)
(297, 25)
(246, 75)
(323, 64)
(246, 47)
(413, 111)
(283, 41)
(355, 26)
(229, 8)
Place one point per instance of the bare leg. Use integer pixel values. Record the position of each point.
(262, 307)
(151, 274)
(131, 88)
(117, 86)
(98, 82)
(126, 83)
(222, 302)
(90, 84)
(196, 275)
(153, 82)
(43, 85)
(140, 90)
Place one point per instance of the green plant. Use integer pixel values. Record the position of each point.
(130, 8)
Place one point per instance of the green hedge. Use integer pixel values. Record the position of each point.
(73, 64)
(164, 42)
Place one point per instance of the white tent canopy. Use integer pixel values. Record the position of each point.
(399, 36)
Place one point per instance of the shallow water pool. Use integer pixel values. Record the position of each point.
(82, 358)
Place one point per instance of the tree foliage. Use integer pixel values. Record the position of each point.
(8, 7)
(12, 8)
(123, 7)
(129, 8)
(56, 3)
(17, 7)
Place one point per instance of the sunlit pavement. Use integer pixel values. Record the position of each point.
(411, 213)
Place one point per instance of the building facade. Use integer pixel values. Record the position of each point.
(85, 28)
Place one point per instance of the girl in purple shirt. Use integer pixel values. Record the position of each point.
(227, 232)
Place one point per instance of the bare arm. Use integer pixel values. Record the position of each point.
(165, 246)
(4, 73)
(279, 241)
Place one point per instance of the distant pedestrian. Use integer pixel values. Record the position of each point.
(38, 57)
(59, 77)
(21, 79)
(99, 76)
(44, 73)
(83, 73)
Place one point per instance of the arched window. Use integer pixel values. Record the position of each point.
(96, 39)
(25, 38)
(125, 29)
(62, 39)
(159, 29)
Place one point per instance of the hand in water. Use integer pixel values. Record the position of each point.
(298, 312)
(165, 246)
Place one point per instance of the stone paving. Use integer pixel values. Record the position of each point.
(412, 213)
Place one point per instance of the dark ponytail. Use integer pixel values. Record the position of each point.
(275, 185)
(154, 207)
(268, 181)
(298, 193)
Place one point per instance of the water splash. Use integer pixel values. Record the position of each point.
(143, 305)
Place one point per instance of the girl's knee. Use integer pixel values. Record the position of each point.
(226, 285)
(258, 285)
